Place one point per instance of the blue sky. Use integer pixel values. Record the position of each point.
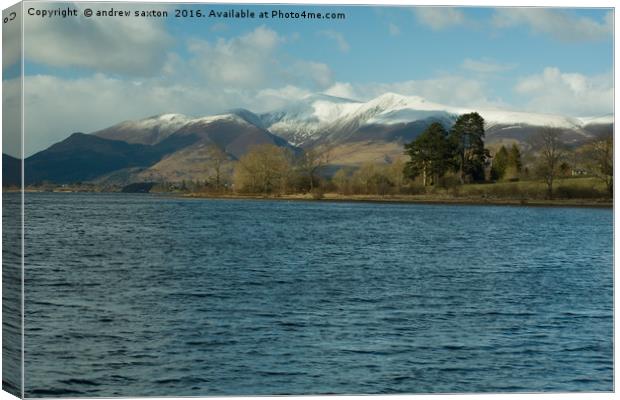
(107, 70)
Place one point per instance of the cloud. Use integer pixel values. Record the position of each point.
(343, 89)
(272, 99)
(243, 61)
(554, 91)
(438, 18)
(11, 123)
(342, 43)
(320, 74)
(556, 23)
(208, 77)
(250, 62)
(96, 102)
(449, 90)
(134, 46)
(393, 29)
(485, 66)
(99, 101)
(11, 34)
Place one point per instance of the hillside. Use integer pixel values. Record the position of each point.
(176, 147)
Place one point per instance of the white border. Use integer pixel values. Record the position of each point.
(484, 3)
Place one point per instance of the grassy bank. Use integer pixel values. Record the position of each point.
(568, 192)
(571, 192)
(419, 199)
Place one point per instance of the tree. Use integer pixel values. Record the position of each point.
(310, 162)
(500, 163)
(514, 158)
(342, 180)
(551, 152)
(216, 160)
(364, 178)
(396, 176)
(599, 157)
(515, 165)
(264, 169)
(565, 169)
(467, 135)
(430, 155)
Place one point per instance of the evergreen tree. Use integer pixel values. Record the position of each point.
(500, 163)
(467, 135)
(430, 155)
(514, 158)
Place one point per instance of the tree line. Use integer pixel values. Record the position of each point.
(436, 158)
(461, 150)
(437, 151)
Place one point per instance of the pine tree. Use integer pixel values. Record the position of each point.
(467, 135)
(430, 155)
(500, 163)
(514, 158)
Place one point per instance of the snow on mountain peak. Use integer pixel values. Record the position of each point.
(601, 119)
(171, 117)
(163, 122)
(326, 97)
(321, 116)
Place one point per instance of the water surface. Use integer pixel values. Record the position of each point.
(138, 295)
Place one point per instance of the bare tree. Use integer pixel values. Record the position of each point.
(216, 161)
(551, 152)
(311, 161)
(363, 178)
(342, 180)
(599, 160)
(264, 169)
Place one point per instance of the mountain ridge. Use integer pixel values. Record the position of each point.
(174, 146)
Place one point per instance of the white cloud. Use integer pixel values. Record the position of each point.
(99, 101)
(244, 61)
(485, 66)
(272, 99)
(554, 91)
(135, 46)
(96, 102)
(11, 123)
(250, 62)
(319, 74)
(11, 35)
(439, 18)
(449, 90)
(343, 89)
(243, 71)
(557, 23)
(342, 43)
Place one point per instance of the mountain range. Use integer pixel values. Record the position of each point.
(174, 147)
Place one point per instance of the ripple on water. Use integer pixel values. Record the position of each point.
(142, 295)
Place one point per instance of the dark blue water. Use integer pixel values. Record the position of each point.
(142, 295)
(12, 294)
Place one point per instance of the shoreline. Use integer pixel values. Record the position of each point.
(411, 199)
(394, 199)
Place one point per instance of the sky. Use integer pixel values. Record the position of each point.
(85, 74)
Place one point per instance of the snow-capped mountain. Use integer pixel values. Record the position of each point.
(153, 130)
(319, 118)
(150, 130)
(176, 146)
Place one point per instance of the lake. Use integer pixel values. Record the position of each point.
(139, 295)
